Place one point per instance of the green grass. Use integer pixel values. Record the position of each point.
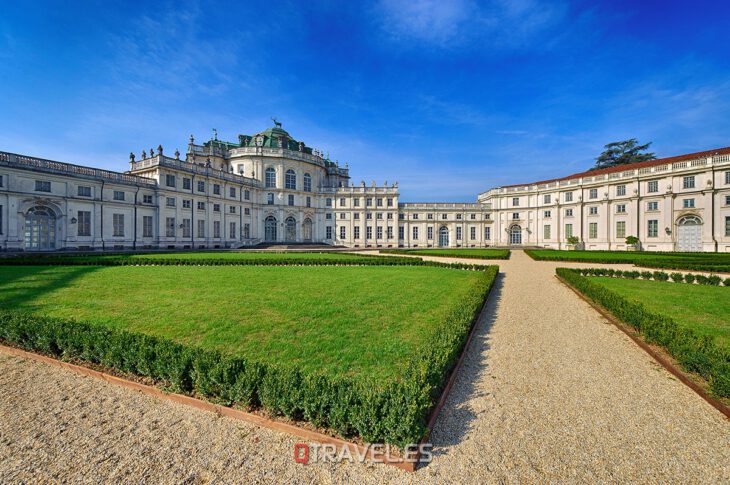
(212, 255)
(706, 309)
(669, 260)
(476, 253)
(346, 320)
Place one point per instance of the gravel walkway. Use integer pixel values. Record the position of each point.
(548, 391)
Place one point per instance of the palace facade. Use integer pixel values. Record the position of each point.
(269, 188)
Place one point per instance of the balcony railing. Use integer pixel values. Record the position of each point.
(61, 168)
(182, 165)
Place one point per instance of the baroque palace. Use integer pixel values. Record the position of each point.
(269, 188)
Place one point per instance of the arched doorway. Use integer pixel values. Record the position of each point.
(515, 234)
(40, 229)
(444, 237)
(689, 234)
(307, 230)
(270, 228)
(290, 229)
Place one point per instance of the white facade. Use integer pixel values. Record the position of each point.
(269, 188)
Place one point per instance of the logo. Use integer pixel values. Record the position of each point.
(306, 453)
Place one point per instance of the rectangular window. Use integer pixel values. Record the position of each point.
(246, 211)
(186, 183)
(309, 201)
(569, 197)
(546, 198)
(688, 182)
(379, 202)
(621, 208)
(652, 206)
(146, 199)
(415, 233)
(727, 200)
(170, 180)
(444, 216)
(620, 190)
(620, 229)
(232, 230)
(247, 231)
(216, 207)
(472, 233)
(473, 217)
(568, 231)
(118, 225)
(390, 200)
(414, 217)
(401, 232)
(232, 193)
(290, 199)
(342, 202)
(147, 226)
(688, 203)
(390, 232)
(458, 217)
(187, 204)
(170, 227)
(270, 198)
(170, 201)
(328, 216)
(369, 202)
(368, 232)
(488, 233)
(356, 232)
(429, 233)
(187, 228)
(515, 215)
(652, 186)
(217, 229)
(356, 202)
(42, 186)
(653, 228)
(1, 183)
(246, 195)
(118, 195)
(328, 202)
(216, 189)
(356, 216)
(515, 201)
(328, 232)
(593, 211)
(342, 215)
(201, 186)
(84, 222)
(547, 214)
(201, 228)
(232, 209)
(201, 206)
(593, 230)
(593, 193)
(568, 212)
(458, 233)
(83, 191)
(379, 215)
(727, 224)
(342, 232)
(546, 234)
(379, 232)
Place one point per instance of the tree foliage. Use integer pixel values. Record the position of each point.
(623, 153)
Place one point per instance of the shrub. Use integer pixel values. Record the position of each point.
(689, 278)
(696, 353)
(702, 279)
(677, 277)
(395, 412)
(661, 276)
(726, 282)
(714, 280)
(631, 274)
(647, 275)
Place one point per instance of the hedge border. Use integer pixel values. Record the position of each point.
(445, 253)
(688, 278)
(394, 412)
(664, 263)
(695, 353)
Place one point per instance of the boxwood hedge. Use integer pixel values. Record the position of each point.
(696, 353)
(392, 412)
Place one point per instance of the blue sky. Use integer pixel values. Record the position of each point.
(449, 98)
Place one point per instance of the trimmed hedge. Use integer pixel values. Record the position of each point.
(393, 412)
(656, 275)
(696, 353)
(451, 253)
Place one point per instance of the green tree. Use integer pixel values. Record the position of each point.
(623, 153)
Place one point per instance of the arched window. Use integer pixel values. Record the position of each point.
(443, 237)
(270, 228)
(290, 180)
(270, 180)
(290, 225)
(515, 234)
(40, 229)
(307, 182)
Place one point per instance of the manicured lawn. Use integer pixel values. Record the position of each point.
(214, 255)
(703, 308)
(476, 253)
(695, 261)
(351, 320)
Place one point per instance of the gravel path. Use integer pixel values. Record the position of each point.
(548, 391)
